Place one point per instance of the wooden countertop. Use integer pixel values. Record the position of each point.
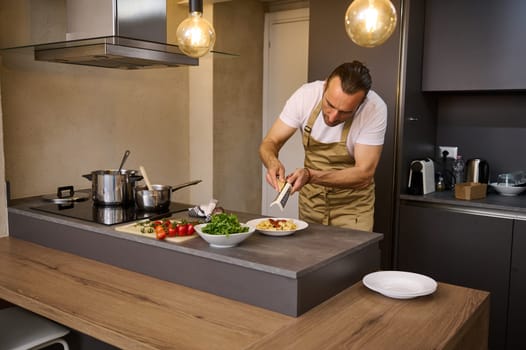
(134, 311)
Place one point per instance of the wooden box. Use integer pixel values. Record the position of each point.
(470, 190)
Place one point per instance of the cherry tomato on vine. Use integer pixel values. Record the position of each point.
(182, 229)
(160, 233)
(172, 231)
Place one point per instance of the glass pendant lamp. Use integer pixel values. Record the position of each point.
(370, 23)
(195, 35)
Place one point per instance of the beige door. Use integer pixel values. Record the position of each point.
(285, 69)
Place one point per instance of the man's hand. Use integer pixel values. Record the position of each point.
(278, 134)
(275, 173)
(299, 178)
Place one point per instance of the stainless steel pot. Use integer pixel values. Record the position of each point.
(158, 198)
(112, 214)
(108, 215)
(113, 187)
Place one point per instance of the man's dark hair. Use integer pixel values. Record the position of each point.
(354, 77)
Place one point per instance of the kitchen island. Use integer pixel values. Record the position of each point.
(133, 311)
(303, 269)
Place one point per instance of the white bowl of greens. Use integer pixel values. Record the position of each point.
(224, 231)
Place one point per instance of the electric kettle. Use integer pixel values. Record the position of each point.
(477, 170)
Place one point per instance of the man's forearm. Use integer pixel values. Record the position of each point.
(268, 152)
(346, 178)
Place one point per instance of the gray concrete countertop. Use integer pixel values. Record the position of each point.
(513, 207)
(290, 256)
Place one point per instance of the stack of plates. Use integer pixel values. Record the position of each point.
(400, 284)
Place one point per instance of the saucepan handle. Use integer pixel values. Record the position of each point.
(186, 184)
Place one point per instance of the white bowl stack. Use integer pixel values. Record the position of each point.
(508, 190)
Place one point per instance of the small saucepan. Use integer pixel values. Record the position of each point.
(158, 198)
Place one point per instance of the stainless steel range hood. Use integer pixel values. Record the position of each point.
(126, 34)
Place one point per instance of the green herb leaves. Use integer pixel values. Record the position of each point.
(224, 224)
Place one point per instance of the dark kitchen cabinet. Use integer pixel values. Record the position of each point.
(417, 123)
(517, 307)
(463, 249)
(474, 45)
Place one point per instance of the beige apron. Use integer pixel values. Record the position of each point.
(343, 207)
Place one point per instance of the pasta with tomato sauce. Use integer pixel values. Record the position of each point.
(277, 225)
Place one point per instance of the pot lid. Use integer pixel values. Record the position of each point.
(66, 194)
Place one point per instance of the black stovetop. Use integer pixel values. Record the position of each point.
(106, 215)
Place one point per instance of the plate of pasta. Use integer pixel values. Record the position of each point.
(277, 226)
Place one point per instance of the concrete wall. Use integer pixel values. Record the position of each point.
(238, 84)
(61, 121)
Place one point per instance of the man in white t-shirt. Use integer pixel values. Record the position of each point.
(343, 124)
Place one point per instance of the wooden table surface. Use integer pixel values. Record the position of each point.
(134, 311)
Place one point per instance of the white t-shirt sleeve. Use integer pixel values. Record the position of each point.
(371, 122)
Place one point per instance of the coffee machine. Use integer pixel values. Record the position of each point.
(421, 177)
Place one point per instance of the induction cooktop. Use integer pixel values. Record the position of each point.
(106, 215)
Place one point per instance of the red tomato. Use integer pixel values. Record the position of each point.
(182, 230)
(157, 223)
(191, 229)
(172, 231)
(160, 233)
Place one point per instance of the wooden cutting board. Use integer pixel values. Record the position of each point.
(135, 229)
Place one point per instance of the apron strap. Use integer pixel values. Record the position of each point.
(346, 130)
(308, 127)
(312, 118)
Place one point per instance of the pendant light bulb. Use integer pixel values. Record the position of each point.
(195, 35)
(370, 23)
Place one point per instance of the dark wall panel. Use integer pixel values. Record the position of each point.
(330, 46)
(488, 126)
(418, 120)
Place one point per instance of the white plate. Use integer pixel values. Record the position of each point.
(300, 225)
(400, 284)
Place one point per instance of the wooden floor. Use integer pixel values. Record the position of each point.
(134, 311)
